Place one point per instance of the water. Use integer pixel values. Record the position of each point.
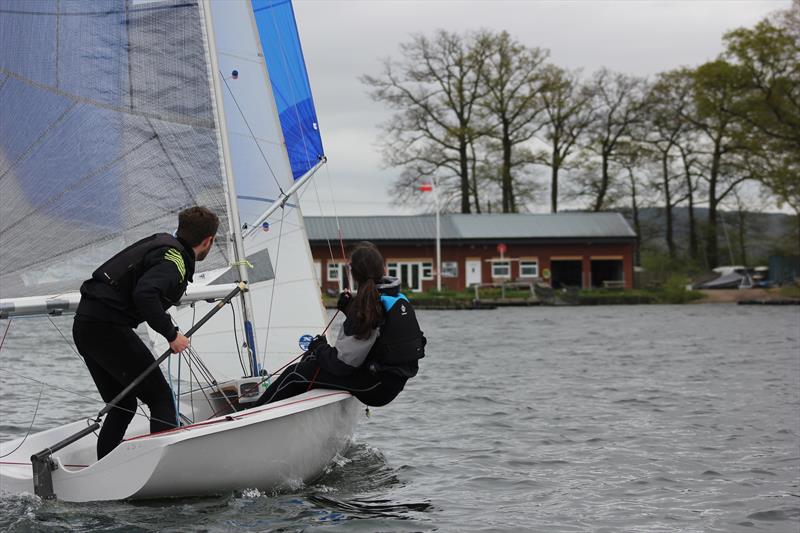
(639, 418)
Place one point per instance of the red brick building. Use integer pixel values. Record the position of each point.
(565, 249)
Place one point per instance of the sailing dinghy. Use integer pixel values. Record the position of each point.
(113, 117)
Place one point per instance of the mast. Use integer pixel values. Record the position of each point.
(230, 189)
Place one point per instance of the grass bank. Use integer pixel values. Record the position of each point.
(490, 297)
(792, 291)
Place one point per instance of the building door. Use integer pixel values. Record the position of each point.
(607, 273)
(473, 272)
(566, 273)
(410, 277)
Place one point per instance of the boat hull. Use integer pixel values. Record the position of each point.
(276, 446)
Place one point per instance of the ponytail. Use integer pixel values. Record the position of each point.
(366, 264)
(368, 309)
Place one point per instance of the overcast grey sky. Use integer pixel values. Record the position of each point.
(343, 40)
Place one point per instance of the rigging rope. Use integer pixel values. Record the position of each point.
(84, 396)
(272, 292)
(65, 339)
(279, 370)
(43, 383)
(5, 333)
(335, 213)
(327, 239)
(35, 411)
(255, 139)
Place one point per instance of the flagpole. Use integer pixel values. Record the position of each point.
(438, 239)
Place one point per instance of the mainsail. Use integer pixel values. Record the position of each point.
(106, 132)
(111, 121)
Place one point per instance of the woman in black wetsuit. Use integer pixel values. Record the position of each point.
(377, 349)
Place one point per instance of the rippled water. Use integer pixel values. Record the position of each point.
(639, 418)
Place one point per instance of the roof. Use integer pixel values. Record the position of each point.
(472, 227)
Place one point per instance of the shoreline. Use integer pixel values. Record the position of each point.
(709, 297)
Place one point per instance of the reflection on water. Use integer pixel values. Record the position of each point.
(654, 418)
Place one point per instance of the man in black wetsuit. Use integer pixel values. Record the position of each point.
(138, 284)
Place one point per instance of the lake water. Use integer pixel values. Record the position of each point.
(630, 418)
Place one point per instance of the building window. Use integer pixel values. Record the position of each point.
(450, 269)
(335, 271)
(501, 269)
(528, 269)
(391, 270)
(427, 270)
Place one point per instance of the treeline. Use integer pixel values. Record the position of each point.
(479, 112)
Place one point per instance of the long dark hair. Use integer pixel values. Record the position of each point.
(366, 264)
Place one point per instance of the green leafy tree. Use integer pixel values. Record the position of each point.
(716, 86)
(767, 57)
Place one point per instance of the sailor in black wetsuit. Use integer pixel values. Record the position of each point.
(138, 284)
(378, 347)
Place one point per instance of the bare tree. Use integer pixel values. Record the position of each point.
(434, 89)
(691, 177)
(667, 101)
(619, 106)
(512, 107)
(631, 158)
(568, 110)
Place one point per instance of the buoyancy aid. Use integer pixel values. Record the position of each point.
(124, 269)
(401, 343)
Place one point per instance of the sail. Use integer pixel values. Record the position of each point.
(285, 293)
(280, 43)
(106, 133)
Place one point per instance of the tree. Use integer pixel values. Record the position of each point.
(715, 87)
(568, 111)
(434, 90)
(618, 105)
(689, 165)
(768, 105)
(668, 135)
(512, 106)
(631, 158)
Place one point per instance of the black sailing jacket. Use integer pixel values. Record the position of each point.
(139, 284)
(394, 346)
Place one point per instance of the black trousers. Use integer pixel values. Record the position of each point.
(116, 356)
(371, 389)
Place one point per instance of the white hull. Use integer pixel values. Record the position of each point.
(273, 446)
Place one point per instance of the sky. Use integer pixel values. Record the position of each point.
(343, 40)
